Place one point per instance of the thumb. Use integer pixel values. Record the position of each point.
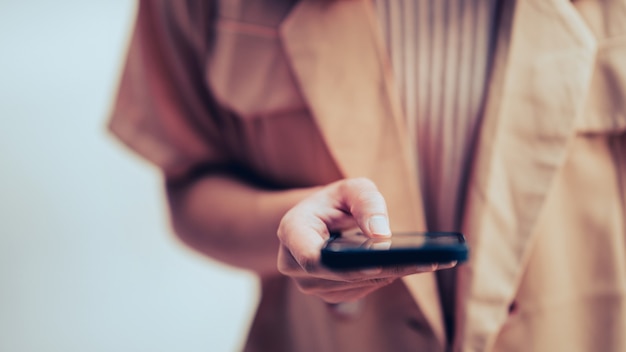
(367, 205)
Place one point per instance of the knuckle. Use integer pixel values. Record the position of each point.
(369, 196)
(285, 226)
(309, 265)
(358, 183)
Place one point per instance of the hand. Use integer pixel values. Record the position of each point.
(339, 206)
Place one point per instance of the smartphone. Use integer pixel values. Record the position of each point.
(356, 251)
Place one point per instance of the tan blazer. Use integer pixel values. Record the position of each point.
(303, 94)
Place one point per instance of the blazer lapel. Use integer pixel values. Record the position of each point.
(340, 63)
(537, 92)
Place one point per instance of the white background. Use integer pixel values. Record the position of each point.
(87, 262)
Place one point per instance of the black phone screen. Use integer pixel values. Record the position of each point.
(359, 251)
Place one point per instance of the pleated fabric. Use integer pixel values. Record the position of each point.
(440, 52)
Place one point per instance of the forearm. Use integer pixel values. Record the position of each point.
(231, 221)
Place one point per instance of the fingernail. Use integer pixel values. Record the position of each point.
(447, 265)
(379, 225)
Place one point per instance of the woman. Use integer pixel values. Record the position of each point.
(302, 117)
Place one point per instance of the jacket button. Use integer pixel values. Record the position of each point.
(415, 324)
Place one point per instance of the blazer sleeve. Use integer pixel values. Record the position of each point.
(163, 110)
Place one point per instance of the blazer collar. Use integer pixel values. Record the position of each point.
(537, 93)
(340, 63)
